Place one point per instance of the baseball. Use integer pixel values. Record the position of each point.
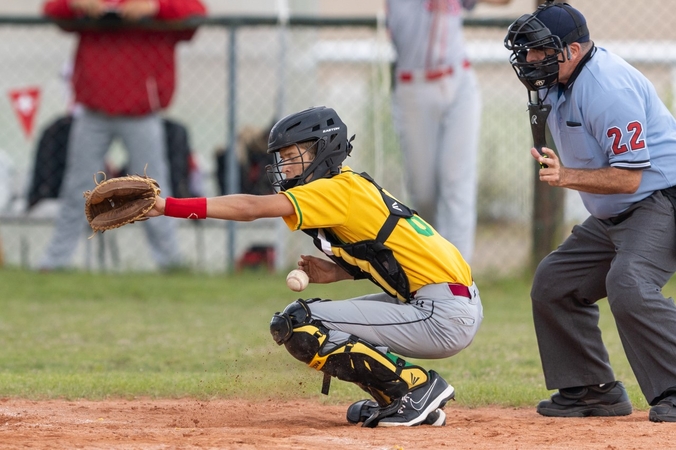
(297, 280)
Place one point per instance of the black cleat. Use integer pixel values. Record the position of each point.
(363, 409)
(360, 411)
(416, 406)
(436, 418)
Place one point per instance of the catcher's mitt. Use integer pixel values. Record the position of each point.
(119, 201)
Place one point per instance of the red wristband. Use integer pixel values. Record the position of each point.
(186, 208)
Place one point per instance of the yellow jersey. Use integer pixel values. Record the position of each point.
(353, 209)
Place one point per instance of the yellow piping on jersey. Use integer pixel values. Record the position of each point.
(290, 196)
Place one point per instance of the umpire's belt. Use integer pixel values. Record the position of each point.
(621, 217)
(408, 76)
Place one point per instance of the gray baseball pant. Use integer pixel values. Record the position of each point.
(438, 123)
(435, 324)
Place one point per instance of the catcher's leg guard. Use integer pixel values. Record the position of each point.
(385, 376)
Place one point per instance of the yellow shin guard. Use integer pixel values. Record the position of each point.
(383, 375)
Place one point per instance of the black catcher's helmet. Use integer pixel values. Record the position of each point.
(553, 26)
(323, 127)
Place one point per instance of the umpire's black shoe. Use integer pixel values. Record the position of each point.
(664, 410)
(363, 409)
(609, 399)
(416, 406)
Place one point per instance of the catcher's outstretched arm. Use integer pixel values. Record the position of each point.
(239, 207)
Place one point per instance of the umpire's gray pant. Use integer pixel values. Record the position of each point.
(629, 262)
(90, 138)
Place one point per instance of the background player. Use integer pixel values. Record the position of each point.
(122, 80)
(430, 307)
(437, 110)
(618, 143)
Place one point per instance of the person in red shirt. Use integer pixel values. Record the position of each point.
(123, 77)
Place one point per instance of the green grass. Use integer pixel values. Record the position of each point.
(80, 335)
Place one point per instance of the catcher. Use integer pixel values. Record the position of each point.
(429, 308)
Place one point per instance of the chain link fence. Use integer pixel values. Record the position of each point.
(234, 79)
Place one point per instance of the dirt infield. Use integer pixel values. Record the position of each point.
(231, 424)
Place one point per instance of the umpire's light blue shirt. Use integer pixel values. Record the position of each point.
(611, 116)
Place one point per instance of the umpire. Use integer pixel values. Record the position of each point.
(617, 147)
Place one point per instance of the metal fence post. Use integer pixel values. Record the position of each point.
(232, 182)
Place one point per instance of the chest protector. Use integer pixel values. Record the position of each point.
(370, 259)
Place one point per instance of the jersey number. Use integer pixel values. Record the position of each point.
(420, 226)
(635, 142)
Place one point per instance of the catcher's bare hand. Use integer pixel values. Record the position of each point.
(320, 270)
(553, 172)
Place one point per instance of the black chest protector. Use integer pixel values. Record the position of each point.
(371, 259)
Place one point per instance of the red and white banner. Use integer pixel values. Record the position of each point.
(25, 102)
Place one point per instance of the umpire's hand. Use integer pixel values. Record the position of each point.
(552, 171)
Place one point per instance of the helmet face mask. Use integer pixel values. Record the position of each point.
(303, 158)
(551, 29)
(330, 146)
(529, 33)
